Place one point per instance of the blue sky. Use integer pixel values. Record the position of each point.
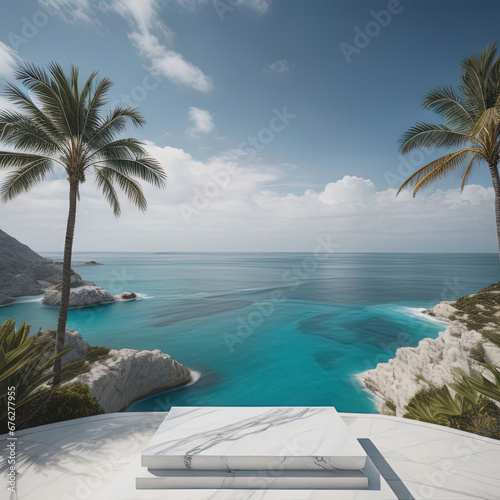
(211, 75)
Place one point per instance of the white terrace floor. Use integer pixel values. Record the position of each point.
(100, 458)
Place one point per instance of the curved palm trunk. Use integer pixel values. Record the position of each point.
(66, 280)
(496, 186)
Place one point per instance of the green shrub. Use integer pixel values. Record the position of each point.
(82, 365)
(478, 353)
(68, 402)
(473, 407)
(389, 406)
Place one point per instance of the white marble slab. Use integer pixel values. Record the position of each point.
(283, 479)
(253, 438)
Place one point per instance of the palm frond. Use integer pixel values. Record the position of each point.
(129, 186)
(104, 182)
(447, 103)
(467, 172)
(436, 169)
(427, 135)
(145, 168)
(487, 125)
(24, 177)
(25, 134)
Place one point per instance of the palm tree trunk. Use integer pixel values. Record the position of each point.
(66, 280)
(496, 186)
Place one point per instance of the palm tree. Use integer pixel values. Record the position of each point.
(471, 115)
(58, 122)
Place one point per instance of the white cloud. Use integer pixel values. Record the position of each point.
(246, 213)
(141, 14)
(7, 61)
(72, 11)
(260, 6)
(280, 66)
(147, 28)
(202, 120)
(169, 63)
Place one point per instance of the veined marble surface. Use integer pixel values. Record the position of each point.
(98, 458)
(253, 479)
(253, 438)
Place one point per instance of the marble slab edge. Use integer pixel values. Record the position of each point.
(283, 479)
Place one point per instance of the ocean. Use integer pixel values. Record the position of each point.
(267, 328)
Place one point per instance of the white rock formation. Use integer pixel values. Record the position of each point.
(125, 375)
(72, 338)
(87, 295)
(430, 363)
(84, 296)
(128, 375)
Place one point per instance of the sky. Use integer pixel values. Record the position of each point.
(277, 121)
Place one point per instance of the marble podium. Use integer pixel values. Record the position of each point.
(253, 447)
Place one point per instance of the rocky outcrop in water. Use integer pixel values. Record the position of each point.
(122, 376)
(82, 296)
(471, 338)
(128, 375)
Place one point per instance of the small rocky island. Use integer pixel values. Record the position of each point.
(117, 378)
(23, 273)
(91, 263)
(471, 339)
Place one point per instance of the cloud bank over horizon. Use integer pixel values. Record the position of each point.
(229, 203)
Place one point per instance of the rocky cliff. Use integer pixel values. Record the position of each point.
(23, 271)
(117, 378)
(471, 338)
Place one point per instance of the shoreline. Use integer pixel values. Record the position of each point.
(468, 340)
(415, 312)
(195, 377)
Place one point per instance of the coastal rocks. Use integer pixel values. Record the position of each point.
(71, 338)
(123, 376)
(444, 310)
(431, 363)
(91, 263)
(5, 299)
(128, 375)
(23, 271)
(467, 343)
(82, 296)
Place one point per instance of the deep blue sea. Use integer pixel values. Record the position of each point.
(268, 328)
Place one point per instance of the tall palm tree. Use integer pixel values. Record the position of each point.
(58, 122)
(471, 115)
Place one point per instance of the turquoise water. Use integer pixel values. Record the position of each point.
(268, 329)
